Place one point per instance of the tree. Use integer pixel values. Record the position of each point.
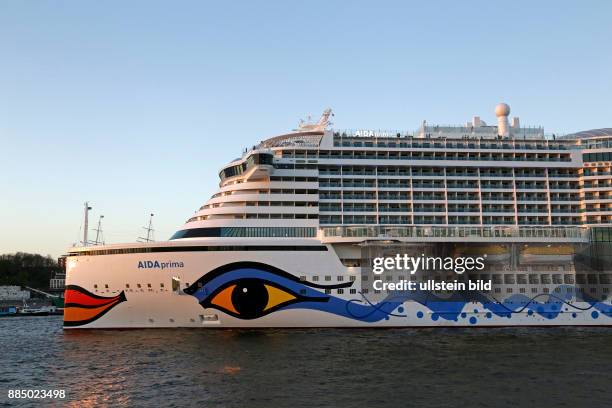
(25, 269)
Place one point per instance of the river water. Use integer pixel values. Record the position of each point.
(501, 367)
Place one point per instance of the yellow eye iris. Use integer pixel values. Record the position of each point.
(276, 297)
(250, 298)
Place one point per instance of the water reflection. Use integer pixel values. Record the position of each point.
(236, 368)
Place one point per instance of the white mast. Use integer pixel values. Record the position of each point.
(86, 224)
(99, 233)
(150, 232)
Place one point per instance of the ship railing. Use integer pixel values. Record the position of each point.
(373, 133)
(379, 231)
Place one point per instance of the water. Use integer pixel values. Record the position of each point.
(513, 367)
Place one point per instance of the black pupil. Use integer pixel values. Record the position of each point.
(250, 298)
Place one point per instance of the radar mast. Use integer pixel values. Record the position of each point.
(150, 231)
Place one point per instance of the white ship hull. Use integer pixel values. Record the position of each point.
(146, 299)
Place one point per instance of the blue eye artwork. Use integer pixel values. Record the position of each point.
(250, 290)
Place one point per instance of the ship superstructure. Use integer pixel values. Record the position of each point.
(286, 240)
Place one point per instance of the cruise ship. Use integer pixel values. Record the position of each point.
(291, 235)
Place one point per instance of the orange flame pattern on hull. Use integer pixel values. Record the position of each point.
(82, 307)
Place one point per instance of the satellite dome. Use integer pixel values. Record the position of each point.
(502, 109)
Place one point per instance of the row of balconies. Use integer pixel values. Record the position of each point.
(451, 143)
(416, 184)
(455, 212)
(368, 150)
(424, 220)
(450, 196)
(598, 184)
(435, 155)
(450, 172)
(474, 207)
(442, 199)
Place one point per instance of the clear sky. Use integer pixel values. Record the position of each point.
(135, 105)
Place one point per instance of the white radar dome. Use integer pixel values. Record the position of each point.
(502, 109)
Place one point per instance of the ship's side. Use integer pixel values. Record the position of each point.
(286, 240)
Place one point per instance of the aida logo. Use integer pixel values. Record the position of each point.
(160, 265)
(371, 133)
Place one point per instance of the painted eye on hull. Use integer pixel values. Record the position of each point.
(250, 298)
(249, 290)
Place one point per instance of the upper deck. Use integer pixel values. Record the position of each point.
(420, 184)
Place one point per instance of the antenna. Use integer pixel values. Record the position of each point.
(99, 234)
(320, 126)
(150, 232)
(85, 241)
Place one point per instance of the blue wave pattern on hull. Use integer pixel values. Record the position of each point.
(452, 310)
(549, 306)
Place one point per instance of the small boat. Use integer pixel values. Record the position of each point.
(33, 311)
(8, 311)
(36, 311)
